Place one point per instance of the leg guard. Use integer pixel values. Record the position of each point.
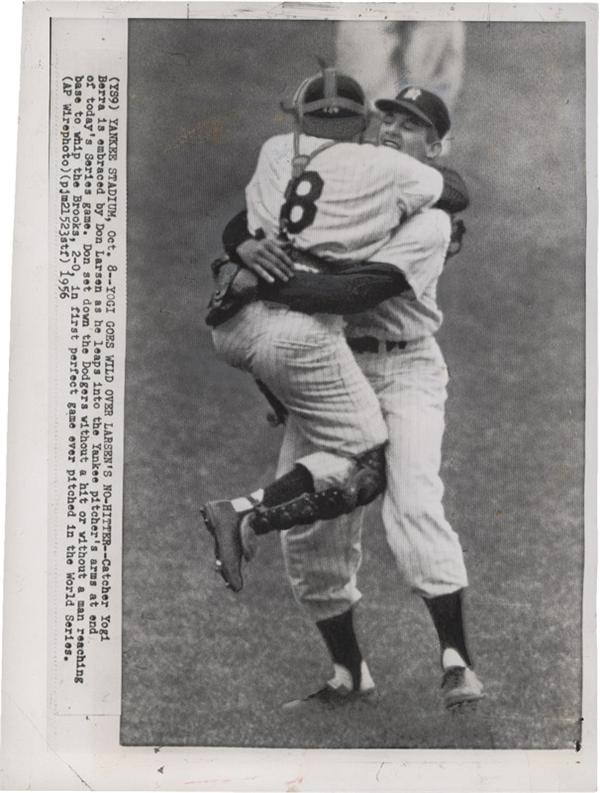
(366, 483)
(369, 480)
(301, 511)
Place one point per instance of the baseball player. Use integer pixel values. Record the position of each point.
(395, 345)
(344, 201)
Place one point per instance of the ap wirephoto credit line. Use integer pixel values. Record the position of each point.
(87, 194)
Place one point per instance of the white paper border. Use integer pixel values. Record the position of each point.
(27, 761)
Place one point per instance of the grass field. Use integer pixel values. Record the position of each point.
(204, 667)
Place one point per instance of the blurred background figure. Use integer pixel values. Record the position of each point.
(387, 56)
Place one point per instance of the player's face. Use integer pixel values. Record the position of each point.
(405, 133)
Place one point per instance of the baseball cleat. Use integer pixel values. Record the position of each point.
(223, 523)
(330, 697)
(460, 686)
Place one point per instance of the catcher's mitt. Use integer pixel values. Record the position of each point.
(234, 287)
(455, 196)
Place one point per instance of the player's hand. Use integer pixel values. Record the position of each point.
(267, 259)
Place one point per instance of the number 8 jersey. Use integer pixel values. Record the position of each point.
(346, 203)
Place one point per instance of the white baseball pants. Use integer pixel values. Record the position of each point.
(306, 362)
(322, 560)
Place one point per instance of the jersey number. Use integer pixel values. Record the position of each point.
(300, 209)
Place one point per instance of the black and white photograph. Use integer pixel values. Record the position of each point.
(353, 485)
(302, 417)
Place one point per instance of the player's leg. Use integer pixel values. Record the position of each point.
(237, 342)
(322, 561)
(306, 362)
(235, 339)
(411, 386)
(292, 500)
(427, 550)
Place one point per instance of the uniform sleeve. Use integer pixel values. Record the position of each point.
(418, 248)
(418, 185)
(357, 288)
(254, 192)
(235, 232)
(262, 211)
(455, 195)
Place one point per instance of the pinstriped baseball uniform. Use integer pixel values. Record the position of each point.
(304, 359)
(322, 561)
(366, 191)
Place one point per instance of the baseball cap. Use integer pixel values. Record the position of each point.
(420, 103)
(329, 105)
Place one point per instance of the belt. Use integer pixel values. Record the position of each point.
(371, 344)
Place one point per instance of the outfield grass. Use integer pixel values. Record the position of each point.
(204, 667)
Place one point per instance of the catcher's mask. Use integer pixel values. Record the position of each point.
(329, 105)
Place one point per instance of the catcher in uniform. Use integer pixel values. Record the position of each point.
(343, 201)
(395, 345)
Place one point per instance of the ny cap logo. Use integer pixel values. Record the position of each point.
(412, 93)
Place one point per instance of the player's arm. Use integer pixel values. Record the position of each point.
(234, 234)
(418, 186)
(269, 260)
(455, 195)
(264, 257)
(414, 256)
(358, 287)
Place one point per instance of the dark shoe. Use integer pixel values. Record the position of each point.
(459, 686)
(223, 523)
(330, 697)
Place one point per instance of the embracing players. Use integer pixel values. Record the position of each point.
(396, 349)
(343, 201)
